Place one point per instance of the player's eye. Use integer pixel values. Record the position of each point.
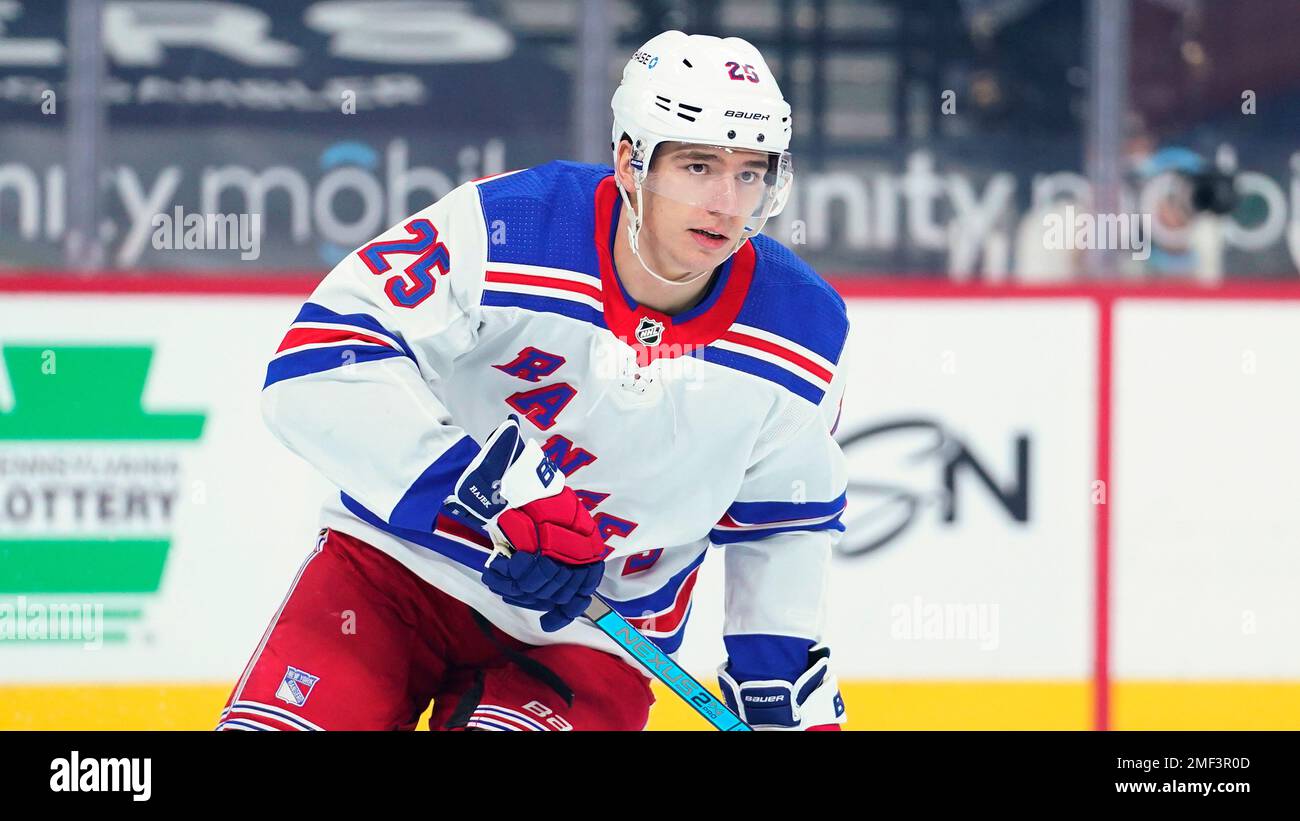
(698, 168)
(749, 177)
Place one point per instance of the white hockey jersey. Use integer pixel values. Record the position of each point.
(712, 427)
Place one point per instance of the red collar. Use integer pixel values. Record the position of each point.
(677, 338)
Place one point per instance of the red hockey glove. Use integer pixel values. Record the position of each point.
(519, 495)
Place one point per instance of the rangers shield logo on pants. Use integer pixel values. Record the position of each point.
(296, 686)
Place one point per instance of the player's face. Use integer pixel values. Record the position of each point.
(697, 201)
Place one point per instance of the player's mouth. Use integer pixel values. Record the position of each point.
(710, 240)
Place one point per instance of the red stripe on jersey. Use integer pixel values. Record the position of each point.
(727, 521)
(452, 527)
(544, 282)
(786, 354)
(669, 620)
(308, 336)
(494, 176)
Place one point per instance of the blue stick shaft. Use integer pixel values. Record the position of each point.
(648, 654)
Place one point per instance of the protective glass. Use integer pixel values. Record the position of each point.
(725, 181)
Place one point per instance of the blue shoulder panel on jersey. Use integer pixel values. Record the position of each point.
(788, 298)
(544, 216)
(789, 301)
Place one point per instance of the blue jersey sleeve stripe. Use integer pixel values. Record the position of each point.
(782, 279)
(318, 360)
(419, 506)
(757, 513)
(311, 312)
(722, 537)
(468, 556)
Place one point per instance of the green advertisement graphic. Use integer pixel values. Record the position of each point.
(86, 400)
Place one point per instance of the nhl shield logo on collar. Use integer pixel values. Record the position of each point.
(296, 686)
(649, 331)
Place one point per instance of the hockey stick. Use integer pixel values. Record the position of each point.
(648, 655)
(480, 495)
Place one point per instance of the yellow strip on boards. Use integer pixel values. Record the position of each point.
(1221, 705)
(933, 705)
(872, 705)
(112, 706)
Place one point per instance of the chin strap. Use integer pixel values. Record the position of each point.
(634, 233)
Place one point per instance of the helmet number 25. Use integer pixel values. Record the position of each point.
(734, 71)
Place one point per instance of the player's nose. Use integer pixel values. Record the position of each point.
(724, 198)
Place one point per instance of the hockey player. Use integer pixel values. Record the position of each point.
(627, 330)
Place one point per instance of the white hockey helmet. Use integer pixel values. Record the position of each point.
(706, 91)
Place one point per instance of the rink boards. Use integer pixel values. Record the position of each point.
(1067, 508)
